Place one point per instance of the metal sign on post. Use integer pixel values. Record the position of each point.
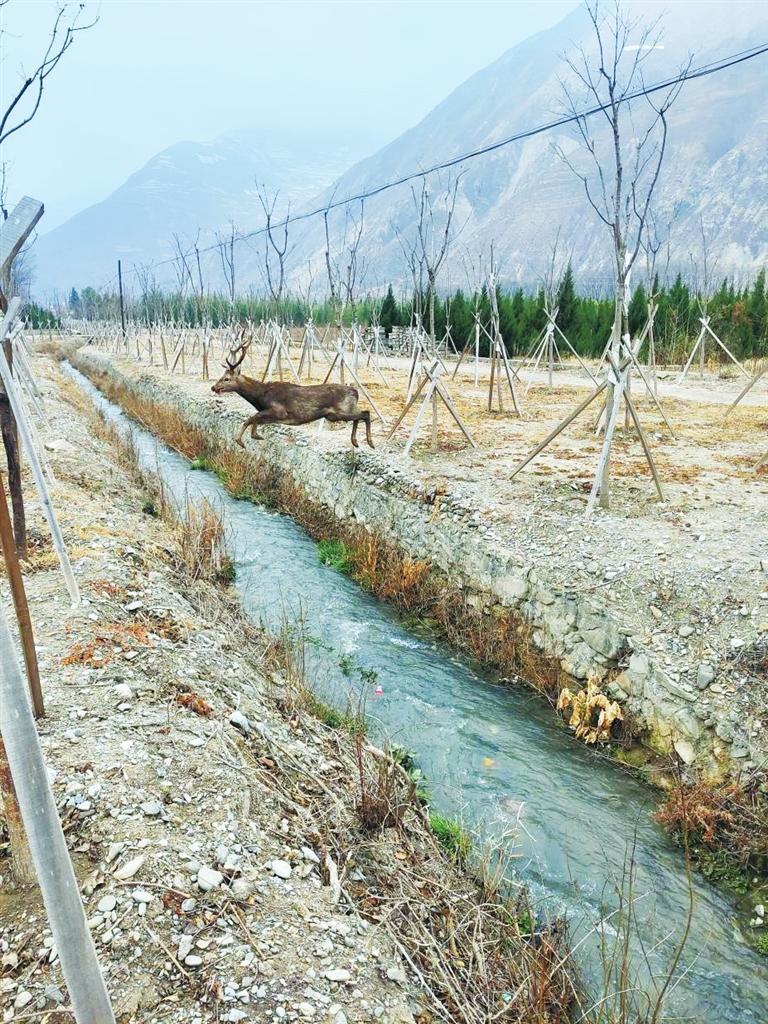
(16, 229)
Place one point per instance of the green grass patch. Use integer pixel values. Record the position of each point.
(334, 719)
(202, 463)
(761, 944)
(228, 572)
(337, 555)
(150, 509)
(450, 836)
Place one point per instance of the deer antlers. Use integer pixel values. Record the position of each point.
(238, 351)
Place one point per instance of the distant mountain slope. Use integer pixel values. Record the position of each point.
(188, 186)
(521, 195)
(518, 197)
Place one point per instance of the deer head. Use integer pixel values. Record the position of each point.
(230, 379)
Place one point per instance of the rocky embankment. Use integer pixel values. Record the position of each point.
(681, 646)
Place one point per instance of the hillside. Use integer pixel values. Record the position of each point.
(518, 197)
(188, 186)
(521, 195)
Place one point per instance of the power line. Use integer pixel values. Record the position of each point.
(701, 72)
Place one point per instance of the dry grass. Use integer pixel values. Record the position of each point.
(200, 541)
(724, 816)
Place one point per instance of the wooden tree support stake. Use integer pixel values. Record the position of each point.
(435, 389)
(19, 596)
(745, 390)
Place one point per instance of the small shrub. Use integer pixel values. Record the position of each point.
(228, 571)
(150, 509)
(761, 944)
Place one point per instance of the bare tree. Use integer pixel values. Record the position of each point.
(347, 269)
(226, 249)
(434, 234)
(619, 168)
(25, 103)
(426, 250)
(181, 265)
(415, 261)
(275, 242)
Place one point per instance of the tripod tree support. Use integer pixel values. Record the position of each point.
(700, 343)
(618, 382)
(50, 857)
(434, 389)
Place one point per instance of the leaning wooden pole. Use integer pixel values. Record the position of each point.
(22, 867)
(60, 891)
(19, 596)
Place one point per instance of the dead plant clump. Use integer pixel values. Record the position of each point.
(201, 544)
(109, 641)
(592, 713)
(723, 815)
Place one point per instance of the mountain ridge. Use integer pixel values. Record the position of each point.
(520, 197)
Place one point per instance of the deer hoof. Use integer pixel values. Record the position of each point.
(371, 444)
(240, 441)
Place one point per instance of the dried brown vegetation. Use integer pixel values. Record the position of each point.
(723, 816)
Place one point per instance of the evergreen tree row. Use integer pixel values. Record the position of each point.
(738, 315)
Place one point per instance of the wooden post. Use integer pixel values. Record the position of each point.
(120, 286)
(20, 604)
(22, 868)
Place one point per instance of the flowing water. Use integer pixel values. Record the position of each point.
(493, 755)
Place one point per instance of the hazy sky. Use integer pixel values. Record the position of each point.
(155, 72)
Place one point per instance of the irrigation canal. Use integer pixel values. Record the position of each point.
(493, 755)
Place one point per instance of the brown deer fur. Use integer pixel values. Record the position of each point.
(292, 404)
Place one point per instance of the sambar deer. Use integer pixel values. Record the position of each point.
(292, 404)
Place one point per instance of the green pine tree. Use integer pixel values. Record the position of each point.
(389, 316)
(566, 301)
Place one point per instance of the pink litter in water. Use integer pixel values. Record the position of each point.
(379, 690)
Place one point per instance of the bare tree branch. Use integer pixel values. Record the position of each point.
(30, 91)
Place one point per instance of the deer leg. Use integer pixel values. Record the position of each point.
(366, 418)
(253, 422)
